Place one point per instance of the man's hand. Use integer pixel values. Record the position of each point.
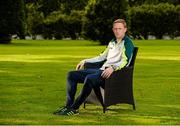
(107, 72)
(80, 65)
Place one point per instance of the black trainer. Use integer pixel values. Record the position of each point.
(60, 110)
(69, 112)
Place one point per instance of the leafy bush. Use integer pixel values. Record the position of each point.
(99, 16)
(176, 26)
(59, 25)
(12, 19)
(156, 20)
(34, 20)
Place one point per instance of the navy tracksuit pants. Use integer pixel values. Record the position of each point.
(91, 78)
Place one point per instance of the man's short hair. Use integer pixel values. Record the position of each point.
(120, 21)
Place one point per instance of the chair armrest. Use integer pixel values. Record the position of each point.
(94, 65)
(124, 72)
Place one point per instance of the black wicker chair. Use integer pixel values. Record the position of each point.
(118, 87)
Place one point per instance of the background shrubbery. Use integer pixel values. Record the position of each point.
(99, 16)
(12, 19)
(58, 25)
(158, 20)
(89, 19)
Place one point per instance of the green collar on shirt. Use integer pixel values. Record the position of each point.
(115, 40)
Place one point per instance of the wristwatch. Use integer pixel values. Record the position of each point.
(114, 68)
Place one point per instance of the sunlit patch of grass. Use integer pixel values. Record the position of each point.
(39, 58)
(176, 58)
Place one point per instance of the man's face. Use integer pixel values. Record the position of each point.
(119, 30)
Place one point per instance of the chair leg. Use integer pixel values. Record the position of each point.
(134, 107)
(84, 105)
(104, 109)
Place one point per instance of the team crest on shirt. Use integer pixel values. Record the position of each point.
(111, 45)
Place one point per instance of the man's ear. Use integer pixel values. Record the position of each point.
(125, 29)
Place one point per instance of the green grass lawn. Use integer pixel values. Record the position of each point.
(33, 83)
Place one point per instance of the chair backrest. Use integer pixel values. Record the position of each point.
(134, 56)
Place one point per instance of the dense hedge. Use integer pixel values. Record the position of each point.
(157, 20)
(95, 22)
(58, 25)
(99, 16)
(34, 20)
(12, 19)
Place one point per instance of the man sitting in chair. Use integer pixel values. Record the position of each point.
(117, 55)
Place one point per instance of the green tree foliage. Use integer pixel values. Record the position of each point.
(58, 25)
(175, 2)
(65, 6)
(55, 18)
(156, 20)
(12, 19)
(93, 18)
(99, 17)
(141, 2)
(48, 6)
(177, 22)
(34, 19)
(70, 5)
